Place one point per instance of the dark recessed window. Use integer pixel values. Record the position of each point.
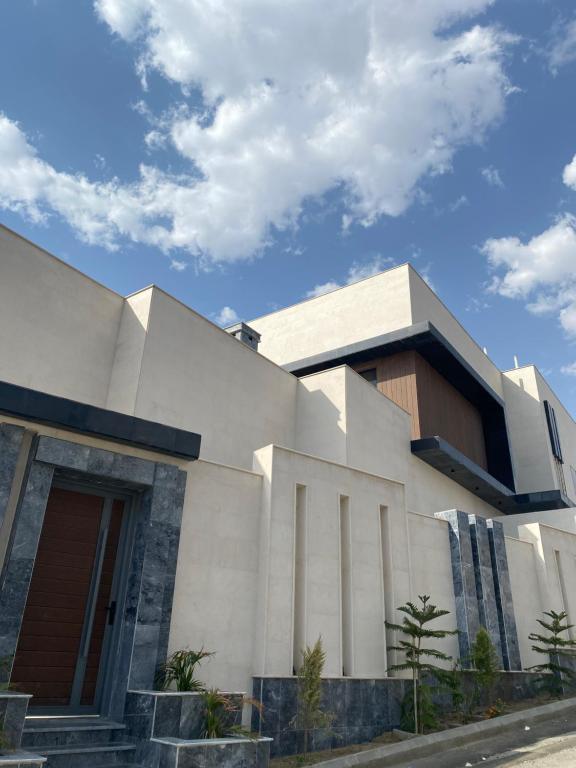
(553, 432)
(370, 376)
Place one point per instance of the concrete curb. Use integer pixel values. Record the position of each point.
(423, 746)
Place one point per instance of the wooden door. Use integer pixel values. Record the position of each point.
(60, 644)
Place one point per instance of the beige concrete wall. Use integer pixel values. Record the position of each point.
(566, 430)
(527, 432)
(217, 576)
(425, 305)
(525, 391)
(322, 427)
(325, 482)
(526, 593)
(432, 573)
(366, 309)
(196, 376)
(58, 327)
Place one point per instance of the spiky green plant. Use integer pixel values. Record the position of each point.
(180, 668)
(221, 710)
(485, 664)
(556, 675)
(310, 714)
(217, 711)
(417, 655)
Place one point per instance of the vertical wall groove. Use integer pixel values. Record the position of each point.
(386, 586)
(300, 557)
(346, 587)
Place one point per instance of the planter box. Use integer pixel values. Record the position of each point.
(13, 708)
(213, 753)
(152, 715)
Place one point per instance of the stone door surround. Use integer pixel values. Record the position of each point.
(158, 490)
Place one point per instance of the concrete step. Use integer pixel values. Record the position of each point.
(87, 755)
(67, 731)
(22, 758)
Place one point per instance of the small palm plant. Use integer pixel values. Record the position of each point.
(218, 710)
(310, 714)
(556, 675)
(180, 668)
(222, 714)
(414, 627)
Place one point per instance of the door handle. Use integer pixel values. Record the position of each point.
(111, 610)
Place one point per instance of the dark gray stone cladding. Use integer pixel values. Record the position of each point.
(11, 437)
(481, 583)
(166, 714)
(158, 490)
(485, 590)
(13, 708)
(504, 601)
(463, 579)
(363, 708)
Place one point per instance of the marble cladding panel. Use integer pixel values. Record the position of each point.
(13, 708)
(143, 637)
(11, 437)
(504, 602)
(19, 563)
(159, 553)
(463, 578)
(95, 461)
(485, 590)
(221, 754)
(361, 710)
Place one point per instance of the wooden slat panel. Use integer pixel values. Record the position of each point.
(435, 406)
(54, 614)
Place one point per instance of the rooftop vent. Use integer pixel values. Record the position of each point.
(244, 333)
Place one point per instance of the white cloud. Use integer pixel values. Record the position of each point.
(300, 98)
(541, 271)
(322, 288)
(562, 50)
(178, 266)
(569, 175)
(461, 202)
(476, 304)
(492, 176)
(358, 271)
(227, 316)
(569, 370)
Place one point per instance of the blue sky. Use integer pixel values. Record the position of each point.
(292, 146)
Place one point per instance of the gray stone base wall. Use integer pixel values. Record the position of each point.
(362, 708)
(13, 708)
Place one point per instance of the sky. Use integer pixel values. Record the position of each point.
(247, 154)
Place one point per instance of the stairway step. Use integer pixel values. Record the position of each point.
(23, 758)
(87, 755)
(61, 732)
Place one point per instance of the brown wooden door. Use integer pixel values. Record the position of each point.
(60, 644)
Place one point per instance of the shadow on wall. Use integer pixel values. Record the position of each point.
(321, 425)
(525, 416)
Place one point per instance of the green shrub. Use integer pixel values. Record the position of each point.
(556, 675)
(417, 657)
(180, 668)
(310, 714)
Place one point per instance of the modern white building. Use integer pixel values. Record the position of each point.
(167, 484)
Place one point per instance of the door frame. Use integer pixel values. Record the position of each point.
(117, 593)
(144, 618)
